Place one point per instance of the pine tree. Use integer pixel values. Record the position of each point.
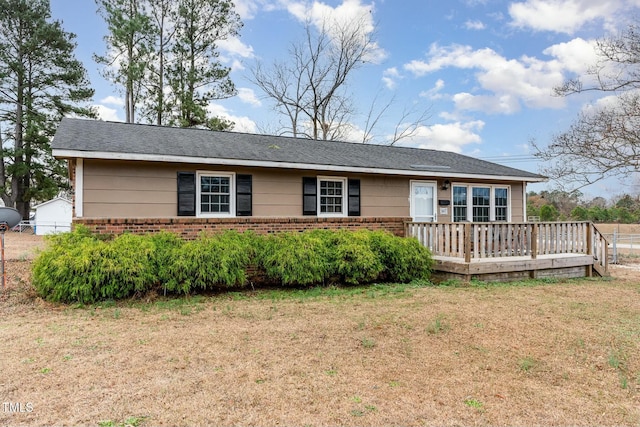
(40, 82)
(128, 48)
(195, 74)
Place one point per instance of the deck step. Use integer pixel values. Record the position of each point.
(600, 270)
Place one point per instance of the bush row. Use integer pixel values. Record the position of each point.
(82, 267)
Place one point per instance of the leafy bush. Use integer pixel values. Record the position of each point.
(352, 257)
(79, 266)
(211, 262)
(294, 258)
(166, 246)
(404, 259)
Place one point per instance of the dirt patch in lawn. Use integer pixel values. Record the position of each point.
(549, 354)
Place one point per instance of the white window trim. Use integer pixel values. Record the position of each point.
(79, 188)
(345, 197)
(412, 210)
(232, 195)
(492, 203)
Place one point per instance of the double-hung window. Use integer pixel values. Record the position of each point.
(215, 192)
(480, 203)
(459, 203)
(501, 199)
(332, 196)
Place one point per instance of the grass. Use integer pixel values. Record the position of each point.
(380, 355)
(527, 364)
(473, 403)
(438, 325)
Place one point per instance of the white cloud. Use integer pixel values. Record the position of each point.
(446, 137)
(248, 96)
(113, 100)
(434, 92)
(390, 77)
(107, 114)
(348, 14)
(234, 46)
(237, 65)
(502, 104)
(506, 83)
(474, 25)
(565, 16)
(242, 123)
(247, 9)
(575, 56)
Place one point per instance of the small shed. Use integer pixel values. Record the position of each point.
(53, 216)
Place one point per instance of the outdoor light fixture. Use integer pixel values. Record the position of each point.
(446, 184)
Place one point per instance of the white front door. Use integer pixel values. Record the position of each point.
(423, 201)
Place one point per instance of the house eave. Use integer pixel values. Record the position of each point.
(102, 155)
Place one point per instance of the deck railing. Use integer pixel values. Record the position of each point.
(496, 240)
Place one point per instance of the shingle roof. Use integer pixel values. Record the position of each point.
(91, 138)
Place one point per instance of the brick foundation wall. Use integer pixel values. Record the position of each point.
(190, 228)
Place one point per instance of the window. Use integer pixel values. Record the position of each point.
(459, 204)
(481, 203)
(215, 192)
(331, 197)
(501, 206)
(487, 203)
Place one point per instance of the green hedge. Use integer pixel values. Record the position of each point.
(79, 266)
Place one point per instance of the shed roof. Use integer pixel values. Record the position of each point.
(58, 199)
(80, 138)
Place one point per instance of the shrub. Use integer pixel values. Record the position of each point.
(166, 246)
(352, 258)
(294, 258)
(404, 259)
(79, 267)
(211, 262)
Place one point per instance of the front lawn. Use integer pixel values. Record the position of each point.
(565, 353)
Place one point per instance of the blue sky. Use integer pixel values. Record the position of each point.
(485, 69)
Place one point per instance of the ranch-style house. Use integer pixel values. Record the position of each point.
(144, 178)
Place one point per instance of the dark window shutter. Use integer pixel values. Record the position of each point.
(244, 198)
(186, 194)
(354, 197)
(309, 196)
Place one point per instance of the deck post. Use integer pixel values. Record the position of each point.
(590, 239)
(467, 243)
(534, 241)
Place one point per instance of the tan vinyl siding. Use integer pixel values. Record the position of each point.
(517, 204)
(384, 196)
(115, 189)
(277, 192)
(127, 189)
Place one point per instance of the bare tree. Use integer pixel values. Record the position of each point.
(407, 125)
(604, 140)
(309, 87)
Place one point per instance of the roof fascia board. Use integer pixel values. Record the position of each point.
(101, 155)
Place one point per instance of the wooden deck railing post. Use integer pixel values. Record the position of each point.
(590, 240)
(534, 241)
(467, 243)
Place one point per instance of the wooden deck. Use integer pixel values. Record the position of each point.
(511, 251)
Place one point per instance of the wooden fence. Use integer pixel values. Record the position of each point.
(469, 241)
